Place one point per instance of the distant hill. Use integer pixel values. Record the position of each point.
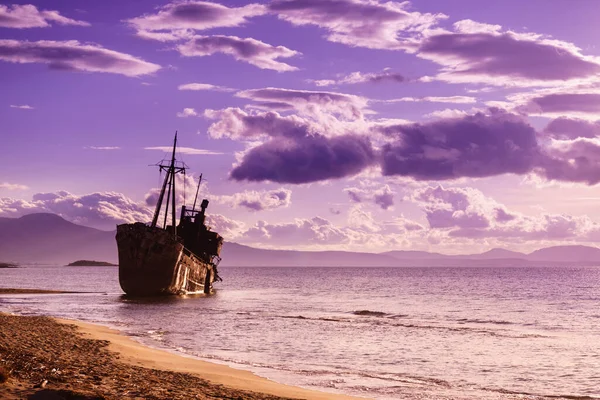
(566, 254)
(48, 238)
(91, 263)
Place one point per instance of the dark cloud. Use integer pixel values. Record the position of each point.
(571, 128)
(505, 58)
(564, 103)
(305, 159)
(478, 145)
(72, 55)
(252, 51)
(572, 161)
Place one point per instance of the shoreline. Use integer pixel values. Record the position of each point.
(123, 353)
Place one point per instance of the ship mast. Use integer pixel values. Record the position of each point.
(171, 170)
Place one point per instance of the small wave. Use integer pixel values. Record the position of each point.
(484, 321)
(369, 313)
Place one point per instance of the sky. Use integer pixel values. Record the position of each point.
(358, 125)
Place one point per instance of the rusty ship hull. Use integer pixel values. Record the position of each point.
(153, 263)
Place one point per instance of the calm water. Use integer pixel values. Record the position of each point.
(385, 333)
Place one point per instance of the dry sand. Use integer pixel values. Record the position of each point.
(84, 361)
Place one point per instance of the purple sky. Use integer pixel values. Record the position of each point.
(341, 124)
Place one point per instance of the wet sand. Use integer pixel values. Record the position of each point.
(76, 360)
(30, 291)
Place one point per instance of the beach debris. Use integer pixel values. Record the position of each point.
(42, 384)
(4, 374)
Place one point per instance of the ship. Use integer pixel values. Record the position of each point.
(177, 259)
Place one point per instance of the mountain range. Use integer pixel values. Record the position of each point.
(50, 239)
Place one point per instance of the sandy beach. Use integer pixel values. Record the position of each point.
(48, 358)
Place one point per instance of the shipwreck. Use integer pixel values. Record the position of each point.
(176, 259)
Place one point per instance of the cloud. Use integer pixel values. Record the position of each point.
(103, 147)
(101, 209)
(22, 107)
(204, 86)
(383, 196)
(299, 232)
(386, 76)
(291, 149)
(474, 146)
(434, 99)
(310, 102)
(177, 17)
(305, 159)
(184, 150)
(228, 228)
(481, 54)
(252, 51)
(238, 124)
(356, 23)
(447, 113)
(28, 16)
(571, 128)
(258, 200)
(467, 213)
(574, 104)
(72, 55)
(12, 186)
(187, 112)
(575, 160)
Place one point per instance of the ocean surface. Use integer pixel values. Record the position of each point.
(386, 333)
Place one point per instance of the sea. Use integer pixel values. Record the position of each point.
(383, 333)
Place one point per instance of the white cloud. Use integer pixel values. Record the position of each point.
(22, 107)
(72, 55)
(184, 150)
(204, 86)
(28, 16)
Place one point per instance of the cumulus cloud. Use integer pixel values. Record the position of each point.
(385, 76)
(176, 18)
(228, 228)
(474, 146)
(184, 150)
(22, 107)
(254, 200)
(481, 53)
(204, 86)
(28, 16)
(468, 213)
(447, 113)
(12, 186)
(72, 55)
(301, 231)
(101, 209)
(383, 196)
(371, 24)
(252, 51)
(187, 112)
